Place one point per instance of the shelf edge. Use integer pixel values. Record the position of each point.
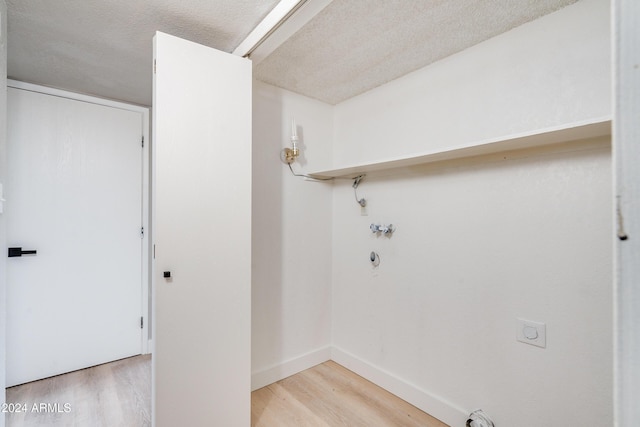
(570, 132)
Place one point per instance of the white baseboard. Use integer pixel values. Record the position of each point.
(289, 367)
(149, 348)
(434, 405)
(422, 399)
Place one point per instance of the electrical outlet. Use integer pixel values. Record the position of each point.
(529, 332)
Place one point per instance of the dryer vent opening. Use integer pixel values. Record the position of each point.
(479, 419)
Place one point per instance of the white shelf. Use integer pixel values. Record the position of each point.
(570, 132)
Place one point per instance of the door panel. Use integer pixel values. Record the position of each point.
(74, 194)
(202, 235)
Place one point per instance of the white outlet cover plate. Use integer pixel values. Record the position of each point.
(530, 332)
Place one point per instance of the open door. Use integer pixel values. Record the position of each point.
(202, 235)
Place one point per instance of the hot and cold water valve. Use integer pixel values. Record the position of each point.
(387, 230)
(381, 228)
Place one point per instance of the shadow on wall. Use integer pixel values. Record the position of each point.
(267, 232)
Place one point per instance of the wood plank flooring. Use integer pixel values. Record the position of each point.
(113, 394)
(119, 394)
(329, 395)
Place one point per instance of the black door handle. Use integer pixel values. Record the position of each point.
(14, 252)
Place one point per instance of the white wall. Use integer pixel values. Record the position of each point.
(291, 237)
(3, 168)
(551, 71)
(477, 245)
(479, 242)
(483, 241)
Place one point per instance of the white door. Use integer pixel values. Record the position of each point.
(74, 195)
(202, 236)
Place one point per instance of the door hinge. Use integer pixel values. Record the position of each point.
(143, 141)
(141, 232)
(154, 66)
(141, 322)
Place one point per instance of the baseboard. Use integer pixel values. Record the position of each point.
(289, 367)
(434, 405)
(422, 399)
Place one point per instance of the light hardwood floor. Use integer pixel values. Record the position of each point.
(113, 394)
(329, 395)
(119, 394)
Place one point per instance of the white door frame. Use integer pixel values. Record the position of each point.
(146, 348)
(626, 151)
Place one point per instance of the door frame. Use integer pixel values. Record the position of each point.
(626, 210)
(145, 282)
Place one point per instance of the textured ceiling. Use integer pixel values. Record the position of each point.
(104, 47)
(355, 45)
